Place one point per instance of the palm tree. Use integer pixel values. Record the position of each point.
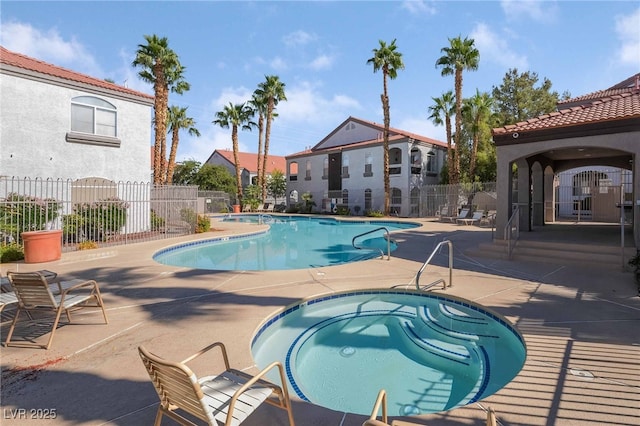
(272, 91)
(476, 109)
(178, 120)
(259, 104)
(387, 59)
(236, 116)
(440, 113)
(160, 67)
(459, 56)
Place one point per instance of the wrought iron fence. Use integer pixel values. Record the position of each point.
(95, 212)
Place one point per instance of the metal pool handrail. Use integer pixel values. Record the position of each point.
(440, 280)
(382, 228)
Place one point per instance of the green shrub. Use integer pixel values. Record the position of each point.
(374, 213)
(11, 253)
(189, 216)
(157, 222)
(203, 224)
(19, 213)
(71, 226)
(102, 218)
(343, 211)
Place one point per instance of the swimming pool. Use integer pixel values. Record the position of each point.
(430, 352)
(291, 242)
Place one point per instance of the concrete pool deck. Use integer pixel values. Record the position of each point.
(581, 325)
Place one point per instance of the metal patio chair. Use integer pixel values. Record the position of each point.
(227, 398)
(33, 293)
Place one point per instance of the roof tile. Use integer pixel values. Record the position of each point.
(18, 60)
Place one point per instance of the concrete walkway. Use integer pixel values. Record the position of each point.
(581, 326)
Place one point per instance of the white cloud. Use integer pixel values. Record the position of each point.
(48, 46)
(628, 31)
(537, 10)
(496, 49)
(419, 7)
(235, 95)
(278, 64)
(322, 62)
(298, 38)
(307, 104)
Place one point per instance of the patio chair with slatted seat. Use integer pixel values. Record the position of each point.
(33, 293)
(381, 403)
(224, 399)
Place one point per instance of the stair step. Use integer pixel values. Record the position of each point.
(558, 253)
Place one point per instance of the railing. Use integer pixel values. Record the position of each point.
(387, 236)
(441, 280)
(512, 231)
(95, 212)
(265, 218)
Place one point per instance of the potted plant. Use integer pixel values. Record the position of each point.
(32, 215)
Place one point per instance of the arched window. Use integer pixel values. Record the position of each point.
(345, 166)
(431, 164)
(93, 116)
(293, 196)
(368, 168)
(293, 171)
(395, 161)
(345, 196)
(367, 199)
(416, 161)
(307, 175)
(396, 200)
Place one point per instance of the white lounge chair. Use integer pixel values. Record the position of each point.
(462, 215)
(476, 217)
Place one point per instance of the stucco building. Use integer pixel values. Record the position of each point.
(57, 123)
(597, 129)
(346, 169)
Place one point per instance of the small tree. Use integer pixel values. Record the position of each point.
(277, 185)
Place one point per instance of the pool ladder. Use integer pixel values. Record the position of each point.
(440, 280)
(387, 236)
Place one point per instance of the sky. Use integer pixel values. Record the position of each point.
(319, 50)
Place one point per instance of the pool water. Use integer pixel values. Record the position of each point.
(292, 242)
(431, 353)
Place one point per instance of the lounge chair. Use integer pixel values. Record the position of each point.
(476, 217)
(462, 215)
(228, 398)
(33, 293)
(381, 402)
(268, 208)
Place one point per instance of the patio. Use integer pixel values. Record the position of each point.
(581, 325)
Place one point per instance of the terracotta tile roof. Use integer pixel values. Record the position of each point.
(249, 161)
(401, 132)
(13, 59)
(621, 102)
(626, 86)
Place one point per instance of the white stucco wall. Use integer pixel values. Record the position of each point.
(357, 183)
(36, 117)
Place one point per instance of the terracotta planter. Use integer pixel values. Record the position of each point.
(236, 208)
(42, 246)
